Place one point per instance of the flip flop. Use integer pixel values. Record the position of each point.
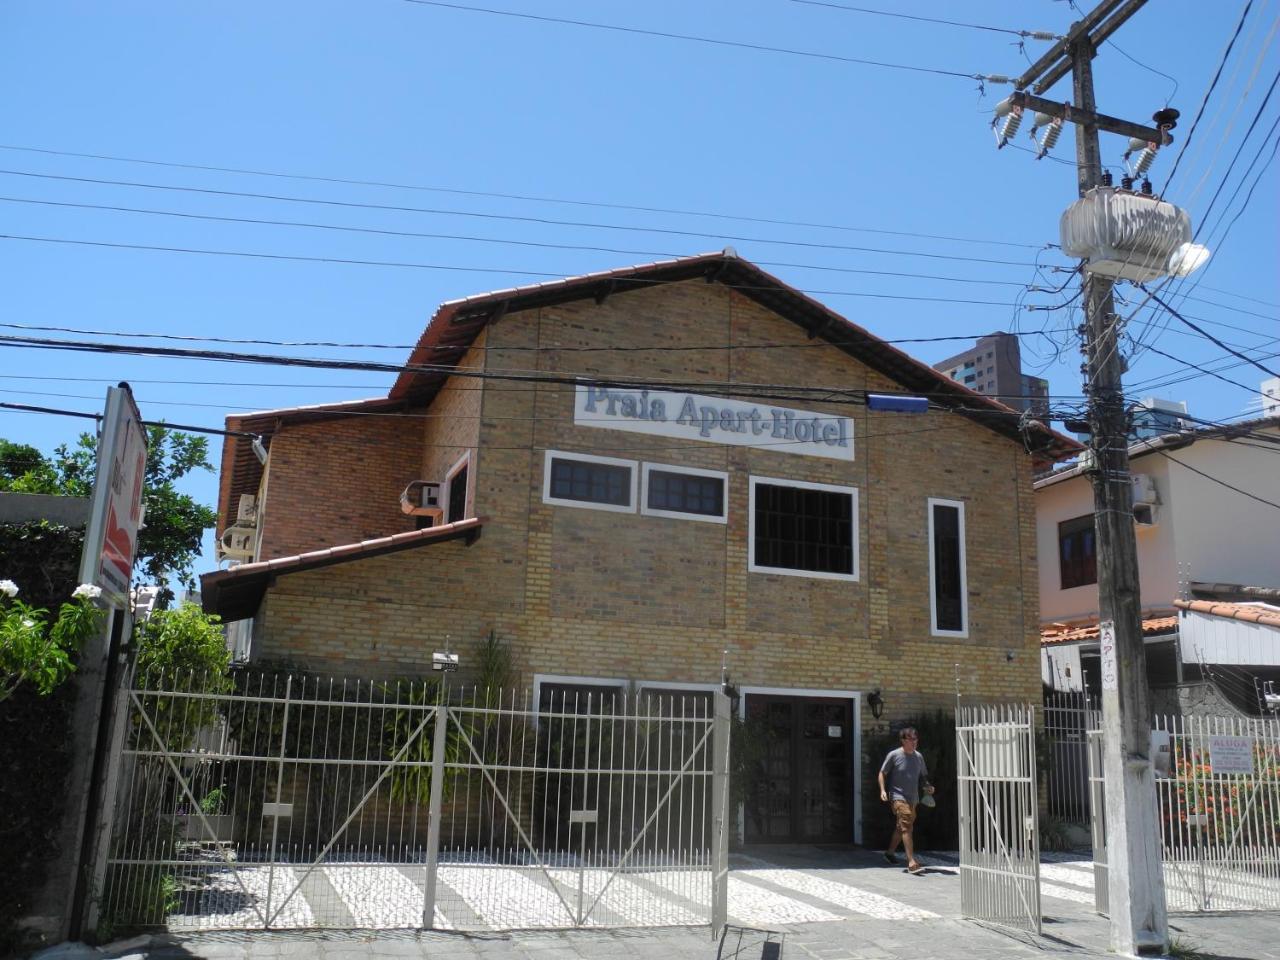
(918, 868)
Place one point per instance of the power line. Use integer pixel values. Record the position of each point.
(28, 408)
(527, 198)
(1208, 336)
(1244, 14)
(1027, 34)
(350, 204)
(565, 21)
(659, 348)
(1209, 373)
(1223, 483)
(508, 242)
(295, 258)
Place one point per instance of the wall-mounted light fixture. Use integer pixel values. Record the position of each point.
(876, 703)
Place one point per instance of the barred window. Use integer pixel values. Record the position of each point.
(804, 529)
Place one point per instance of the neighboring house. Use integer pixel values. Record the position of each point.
(993, 367)
(620, 537)
(1197, 517)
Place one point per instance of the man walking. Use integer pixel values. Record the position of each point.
(901, 775)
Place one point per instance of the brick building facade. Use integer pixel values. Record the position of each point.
(609, 546)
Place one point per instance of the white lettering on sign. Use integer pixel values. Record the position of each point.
(691, 416)
(1230, 755)
(1107, 648)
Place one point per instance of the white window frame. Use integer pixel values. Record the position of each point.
(754, 567)
(462, 463)
(964, 574)
(631, 465)
(679, 514)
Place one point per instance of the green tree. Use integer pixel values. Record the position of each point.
(169, 541)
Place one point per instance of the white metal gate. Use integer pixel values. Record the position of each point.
(1218, 790)
(999, 818)
(273, 801)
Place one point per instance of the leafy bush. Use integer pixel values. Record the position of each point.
(34, 733)
(36, 651)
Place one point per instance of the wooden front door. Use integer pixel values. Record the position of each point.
(801, 787)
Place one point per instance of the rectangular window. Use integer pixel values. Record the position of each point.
(948, 577)
(684, 493)
(457, 493)
(804, 529)
(1077, 552)
(599, 483)
(585, 698)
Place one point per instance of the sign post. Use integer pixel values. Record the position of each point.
(110, 542)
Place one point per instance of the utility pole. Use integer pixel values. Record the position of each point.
(1139, 922)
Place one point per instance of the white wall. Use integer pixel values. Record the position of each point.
(1060, 666)
(1205, 531)
(1206, 638)
(1224, 536)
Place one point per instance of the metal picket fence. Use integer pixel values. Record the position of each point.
(999, 825)
(1217, 784)
(1068, 718)
(1219, 790)
(283, 801)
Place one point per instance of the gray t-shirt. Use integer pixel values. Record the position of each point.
(903, 773)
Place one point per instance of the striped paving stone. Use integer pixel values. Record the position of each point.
(626, 903)
(852, 899)
(509, 899)
(380, 896)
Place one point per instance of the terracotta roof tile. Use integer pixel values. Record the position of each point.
(1152, 626)
(1263, 613)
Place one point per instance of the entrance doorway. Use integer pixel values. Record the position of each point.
(802, 788)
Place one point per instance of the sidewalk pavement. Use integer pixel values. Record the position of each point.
(874, 912)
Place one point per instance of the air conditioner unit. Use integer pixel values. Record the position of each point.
(1144, 489)
(421, 498)
(236, 542)
(247, 511)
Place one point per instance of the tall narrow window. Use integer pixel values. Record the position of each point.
(458, 496)
(1077, 552)
(948, 586)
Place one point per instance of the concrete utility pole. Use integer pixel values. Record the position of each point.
(1139, 923)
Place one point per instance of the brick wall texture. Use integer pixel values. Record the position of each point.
(584, 592)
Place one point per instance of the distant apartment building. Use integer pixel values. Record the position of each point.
(1271, 397)
(993, 367)
(1154, 417)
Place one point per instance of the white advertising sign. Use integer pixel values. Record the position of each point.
(691, 416)
(1230, 755)
(1107, 648)
(116, 511)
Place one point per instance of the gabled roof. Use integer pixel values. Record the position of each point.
(1171, 441)
(456, 324)
(236, 592)
(1263, 613)
(1085, 631)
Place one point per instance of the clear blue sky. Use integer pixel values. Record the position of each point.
(413, 94)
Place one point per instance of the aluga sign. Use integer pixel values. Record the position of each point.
(691, 416)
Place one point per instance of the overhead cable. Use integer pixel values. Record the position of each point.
(522, 197)
(716, 41)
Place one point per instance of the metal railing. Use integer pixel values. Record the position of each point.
(1219, 812)
(1068, 718)
(999, 819)
(275, 801)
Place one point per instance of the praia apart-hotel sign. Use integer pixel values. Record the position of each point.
(691, 416)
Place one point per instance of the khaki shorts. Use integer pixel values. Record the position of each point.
(905, 814)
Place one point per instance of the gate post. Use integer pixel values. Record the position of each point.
(435, 803)
(720, 814)
(104, 827)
